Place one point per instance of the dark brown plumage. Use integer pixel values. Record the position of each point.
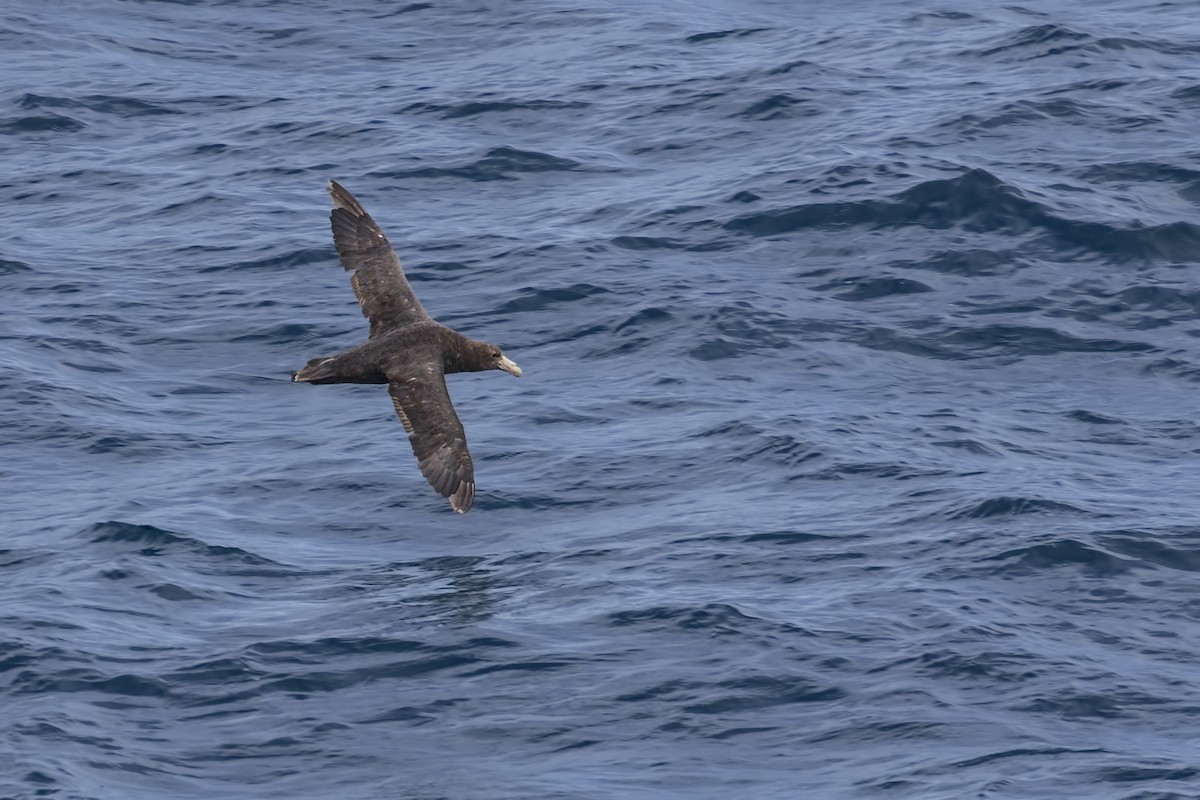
(407, 349)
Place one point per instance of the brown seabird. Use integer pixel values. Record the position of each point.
(407, 349)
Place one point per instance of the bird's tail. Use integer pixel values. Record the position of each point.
(315, 371)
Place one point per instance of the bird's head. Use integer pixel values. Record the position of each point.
(501, 361)
(470, 355)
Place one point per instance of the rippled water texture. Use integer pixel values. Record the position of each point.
(855, 455)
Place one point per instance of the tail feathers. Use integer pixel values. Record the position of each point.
(314, 371)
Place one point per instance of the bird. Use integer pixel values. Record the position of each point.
(407, 350)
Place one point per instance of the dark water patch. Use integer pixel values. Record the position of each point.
(1187, 95)
(750, 444)
(208, 389)
(583, 496)
(426, 269)
(761, 692)
(1005, 506)
(82, 679)
(213, 148)
(1139, 171)
(1021, 112)
(978, 202)
(972, 446)
(785, 537)
(941, 16)
(46, 123)
(1179, 550)
(683, 100)
(518, 666)
(798, 218)
(151, 542)
(11, 558)
(145, 445)
(1039, 41)
(1183, 302)
(713, 36)
(643, 329)
(1022, 340)
(1137, 308)
(499, 163)
(99, 103)
(780, 537)
(1131, 774)
(279, 261)
(867, 469)
(889, 340)
(647, 243)
(1077, 706)
(217, 672)
(64, 344)
(9, 266)
(1089, 559)
(98, 369)
(741, 328)
(476, 108)
(779, 106)
(656, 692)
(646, 317)
(793, 65)
(413, 714)
(284, 333)
(1119, 43)
(713, 619)
(14, 655)
(1022, 752)
(1169, 241)
(1090, 417)
(992, 666)
(540, 299)
(292, 651)
(729, 733)
(779, 449)
(174, 593)
(275, 663)
(865, 288)
(1176, 367)
(408, 8)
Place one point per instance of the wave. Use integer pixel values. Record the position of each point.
(1008, 506)
(1091, 559)
(498, 163)
(476, 108)
(978, 202)
(152, 541)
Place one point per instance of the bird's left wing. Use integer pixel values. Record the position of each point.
(383, 292)
(421, 399)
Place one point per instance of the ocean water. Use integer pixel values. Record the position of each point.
(856, 453)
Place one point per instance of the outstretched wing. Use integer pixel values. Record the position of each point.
(375, 273)
(435, 432)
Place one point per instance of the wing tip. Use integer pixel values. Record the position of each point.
(462, 498)
(341, 197)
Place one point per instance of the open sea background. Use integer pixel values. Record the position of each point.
(856, 454)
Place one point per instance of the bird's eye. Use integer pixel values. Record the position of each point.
(495, 354)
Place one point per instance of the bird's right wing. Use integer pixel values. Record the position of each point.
(375, 273)
(421, 399)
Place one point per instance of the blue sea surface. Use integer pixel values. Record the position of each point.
(856, 453)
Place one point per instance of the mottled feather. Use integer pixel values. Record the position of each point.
(383, 292)
(436, 434)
